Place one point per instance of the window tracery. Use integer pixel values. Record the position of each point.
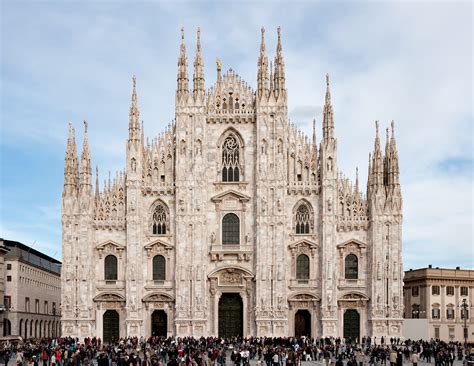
(230, 159)
(160, 225)
(303, 219)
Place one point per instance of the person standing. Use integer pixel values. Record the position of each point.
(414, 358)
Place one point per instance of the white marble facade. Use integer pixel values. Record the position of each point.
(292, 221)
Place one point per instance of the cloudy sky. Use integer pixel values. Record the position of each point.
(411, 62)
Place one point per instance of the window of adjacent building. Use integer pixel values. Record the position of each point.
(451, 332)
(450, 313)
(415, 311)
(46, 307)
(230, 229)
(464, 313)
(464, 291)
(302, 268)
(7, 302)
(436, 332)
(9, 278)
(435, 291)
(450, 290)
(302, 219)
(110, 268)
(27, 304)
(160, 220)
(435, 313)
(9, 266)
(351, 267)
(230, 159)
(159, 268)
(37, 306)
(414, 291)
(54, 308)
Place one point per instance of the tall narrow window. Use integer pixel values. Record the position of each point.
(230, 159)
(160, 220)
(302, 267)
(231, 229)
(302, 219)
(159, 268)
(351, 267)
(110, 268)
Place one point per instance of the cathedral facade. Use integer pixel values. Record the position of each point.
(232, 222)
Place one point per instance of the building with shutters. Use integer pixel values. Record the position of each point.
(444, 296)
(232, 222)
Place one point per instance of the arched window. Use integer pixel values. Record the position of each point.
(352, 268)
(302, 267)
(230, 159)
(110, 268)
(231, 229)
(160, 220)
(159, 268)
(302, 219)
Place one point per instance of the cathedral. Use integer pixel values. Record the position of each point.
(232, 222)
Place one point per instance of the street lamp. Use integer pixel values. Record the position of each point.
(464, 315)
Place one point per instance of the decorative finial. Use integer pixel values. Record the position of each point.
(327, 80)
(71, 130)
(85, 126)
(393, 127)
(386, 133)
(182, 34)
(219, 64)
(279, 32)
(377, 127)
(263, 31)
(134, 78)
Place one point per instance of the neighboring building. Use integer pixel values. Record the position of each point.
(3, 251)
(32, 292)
(438, 294)
(232, 222)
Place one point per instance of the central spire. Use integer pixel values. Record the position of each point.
(134, 115)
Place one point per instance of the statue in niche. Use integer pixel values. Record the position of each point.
(264, 204)
(134, 165)
(329, 204)
(213, 237)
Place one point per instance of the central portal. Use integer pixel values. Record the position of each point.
(302, 323)
(159, 323)
(351, 325)
(231, 313)
(111, 326)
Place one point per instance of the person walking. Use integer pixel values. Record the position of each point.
(414, 358)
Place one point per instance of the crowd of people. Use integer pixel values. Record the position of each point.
(211, 351)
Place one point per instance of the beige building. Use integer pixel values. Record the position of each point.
(232, 222)
(32, 292)
(3, 251)
(439, 295)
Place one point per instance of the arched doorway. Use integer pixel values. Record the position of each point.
(351, 325)
(111, 325)
(231, 313)
(159, 323)
(302, 323)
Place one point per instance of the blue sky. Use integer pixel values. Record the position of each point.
(67, 61)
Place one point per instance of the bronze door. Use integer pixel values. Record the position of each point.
(351, 325)
(111, 326)
(159, 323)
(302, 323)
(231, 313)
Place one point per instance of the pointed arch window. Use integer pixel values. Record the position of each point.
(230, 229)
(230, 159)
(159, 268)
(351, 267)
(303, 219)
(160, 220)
(110, 268)
(302, 267)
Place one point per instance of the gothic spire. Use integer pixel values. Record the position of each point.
(328, 116)
(386, 159)
(134, 115)
(314, 131)
(394, 168)
(198, 79)
(262, 77)
(97, 195)
(271, 78)
(377, 160)
(183, 81)
(356, 187)
(71, 164)
(86, 170)
(279, 66)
